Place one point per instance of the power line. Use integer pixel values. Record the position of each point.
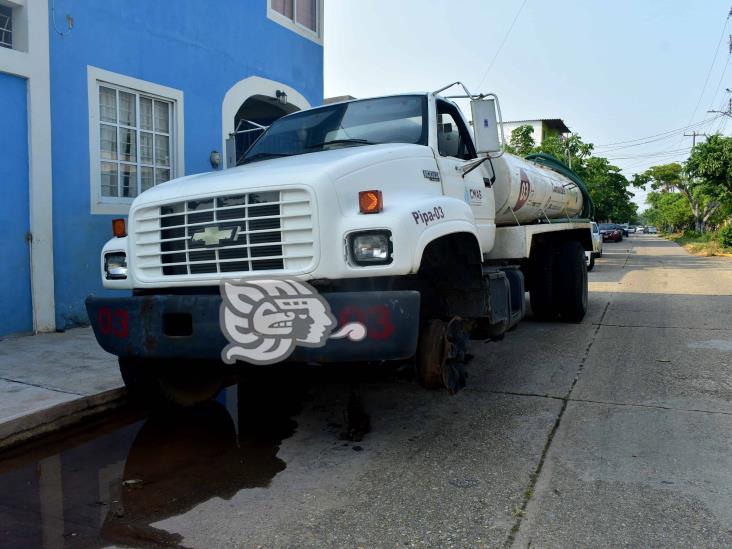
(665, 152)
(657, 154)
(651, 138)
(664, 135)
(724, 108)
(711, 67)
(500, 47)
(645, 161)
(722, 127)
(724, 71)
(655, 140)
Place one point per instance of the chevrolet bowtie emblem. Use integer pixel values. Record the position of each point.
(212, 235)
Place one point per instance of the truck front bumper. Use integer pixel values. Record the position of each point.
(187, 326)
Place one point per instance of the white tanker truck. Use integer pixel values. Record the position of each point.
(414, 232)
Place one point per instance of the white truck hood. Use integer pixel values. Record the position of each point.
(321, 167)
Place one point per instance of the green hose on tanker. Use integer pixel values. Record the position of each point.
(551, 162)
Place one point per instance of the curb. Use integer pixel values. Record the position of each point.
(53, 418)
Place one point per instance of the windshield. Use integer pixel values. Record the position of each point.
(605, 226)
(400, 119)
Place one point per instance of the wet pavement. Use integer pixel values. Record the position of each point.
(109, 482)
(612, 432)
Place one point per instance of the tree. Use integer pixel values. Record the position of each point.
(709, 167)
(711, 161)
(703, 195)
(521, 141)
(609, 190)
(571, 149)
(669, 210)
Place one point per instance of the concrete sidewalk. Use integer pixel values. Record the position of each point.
(49, 381)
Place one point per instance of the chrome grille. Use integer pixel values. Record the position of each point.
(262, 231)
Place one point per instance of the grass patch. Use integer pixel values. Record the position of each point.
(704, 245)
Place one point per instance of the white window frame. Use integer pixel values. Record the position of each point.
(19, 18)
(105, 205)
(3, 31)
(293, 25)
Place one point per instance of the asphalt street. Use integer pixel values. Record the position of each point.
(609, 433)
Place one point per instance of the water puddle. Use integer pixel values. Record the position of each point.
(109, 484)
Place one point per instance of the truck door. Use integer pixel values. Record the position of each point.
(455, 146)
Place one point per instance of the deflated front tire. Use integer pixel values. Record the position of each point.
(155, 383)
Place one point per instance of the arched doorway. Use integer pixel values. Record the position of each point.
(255, 114)
(260, 101)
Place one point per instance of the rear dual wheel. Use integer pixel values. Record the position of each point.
(571, 282)
(541, 274)
(559, 282)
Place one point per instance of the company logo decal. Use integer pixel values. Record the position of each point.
(431, 175)
(212, 235)
(264, 320)
(558, 189)
(473, 196)
(524, 191)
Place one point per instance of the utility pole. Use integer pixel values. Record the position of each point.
(728, 112)
(693, 136)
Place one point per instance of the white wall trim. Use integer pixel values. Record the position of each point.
(98, 205)
(302, 30)
(243, 90)
(16, 62)
(33, 65)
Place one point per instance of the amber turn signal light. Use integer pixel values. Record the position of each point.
(118, 228)
(370, 202)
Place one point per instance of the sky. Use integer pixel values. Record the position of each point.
(637, 73)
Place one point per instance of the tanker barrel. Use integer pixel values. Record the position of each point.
(538, 187)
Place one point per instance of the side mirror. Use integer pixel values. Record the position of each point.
(486, 125)
(230, 152)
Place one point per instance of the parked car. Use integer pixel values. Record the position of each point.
(596, 247)
(652, 230)
(625, 228)
(632, 229)
(610, 232)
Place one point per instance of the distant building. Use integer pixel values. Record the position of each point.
(337, 99)
(543, 127)
(103, 100)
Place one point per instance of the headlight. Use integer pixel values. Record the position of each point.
(371, 248)
(115, 266)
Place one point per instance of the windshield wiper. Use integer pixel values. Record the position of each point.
(263, 156)
(342, 141)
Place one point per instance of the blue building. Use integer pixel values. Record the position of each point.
(102, 100)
